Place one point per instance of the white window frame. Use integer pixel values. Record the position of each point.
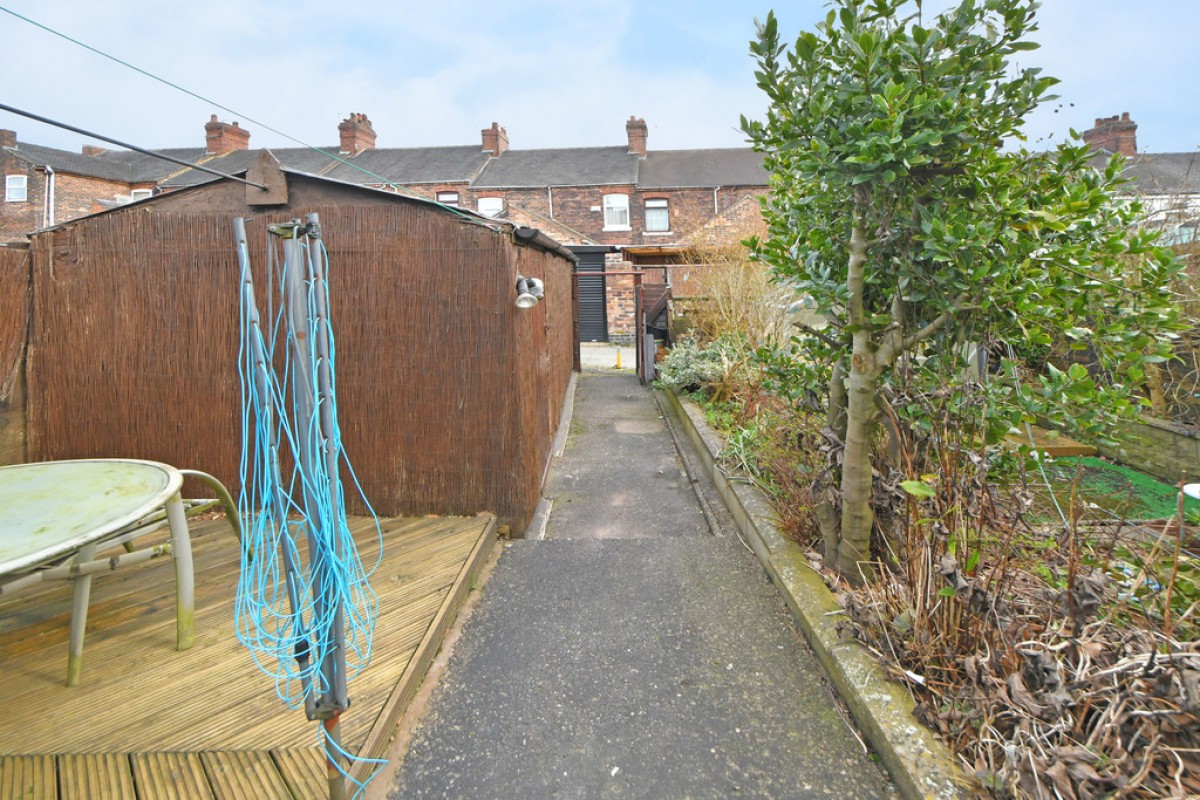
(16, 188)
(489, 206)
(616, 212)
(448, 198)
(658, 203)
(140, 194)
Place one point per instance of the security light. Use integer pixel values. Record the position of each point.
(529, 292)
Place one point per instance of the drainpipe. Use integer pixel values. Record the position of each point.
(716, 210)
(550, 200)
(48, 200)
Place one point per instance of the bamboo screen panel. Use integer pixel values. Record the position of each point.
(134, 350)
(14, 315)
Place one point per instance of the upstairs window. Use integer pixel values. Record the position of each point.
(490, 206)
(448, 198)
(16, 188)
(141, 194)
(658, 216)
(616, 212)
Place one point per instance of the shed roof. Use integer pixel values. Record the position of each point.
(678, 169)
(525, 235)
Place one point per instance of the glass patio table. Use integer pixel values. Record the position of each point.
(55, 515)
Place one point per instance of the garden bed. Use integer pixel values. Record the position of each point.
(1057, 657)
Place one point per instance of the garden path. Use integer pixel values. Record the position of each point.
(638, 651)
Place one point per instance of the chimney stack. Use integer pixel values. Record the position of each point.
(224, 137)
(495, 139)
(93, 150)
(8, 138)
(1114, 134)
(356, 135)
(636, 129)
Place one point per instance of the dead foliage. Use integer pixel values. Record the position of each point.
(1032, 649)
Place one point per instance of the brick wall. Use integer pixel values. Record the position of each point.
(582, 208)
(17, 219)
(77, 196)
(430, 192)
(74, 196)
(620, 301)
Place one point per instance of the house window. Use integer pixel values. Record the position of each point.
(140, 194)
(658, 216)
(448, 198)
(16, 188)
(490, 206)
(616, 212)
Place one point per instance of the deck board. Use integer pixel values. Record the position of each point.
(86, 776)
(170, 776)
(203, 722)
(28, 778)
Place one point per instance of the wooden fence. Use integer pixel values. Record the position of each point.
(448, 394)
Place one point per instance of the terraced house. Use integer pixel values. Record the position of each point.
(615, 206)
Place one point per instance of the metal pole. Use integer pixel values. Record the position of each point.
(261, 366)
(637, 327)
(312, 399)
(296, 302)
(335, 666)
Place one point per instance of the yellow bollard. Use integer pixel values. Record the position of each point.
(618, 366)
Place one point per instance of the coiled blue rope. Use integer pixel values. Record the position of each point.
(303, 597)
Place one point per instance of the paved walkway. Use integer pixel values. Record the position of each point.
(633, 653)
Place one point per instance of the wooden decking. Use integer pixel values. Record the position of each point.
(147, 721)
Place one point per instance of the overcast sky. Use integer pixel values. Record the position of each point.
(555, 73)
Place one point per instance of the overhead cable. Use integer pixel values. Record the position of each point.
(126, 145)
(201, 97)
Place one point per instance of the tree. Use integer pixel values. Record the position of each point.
(895, 208)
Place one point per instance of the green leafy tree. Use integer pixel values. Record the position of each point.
(895, 208)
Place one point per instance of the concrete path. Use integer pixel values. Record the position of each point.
(637, 652)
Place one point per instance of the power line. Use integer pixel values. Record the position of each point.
(201, 97)
(127, 146)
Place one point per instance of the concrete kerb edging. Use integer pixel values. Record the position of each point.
(920, 764)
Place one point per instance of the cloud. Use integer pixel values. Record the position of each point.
(555, 74)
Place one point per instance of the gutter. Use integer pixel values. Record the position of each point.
(532, 236)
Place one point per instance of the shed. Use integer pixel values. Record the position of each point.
(448, 394)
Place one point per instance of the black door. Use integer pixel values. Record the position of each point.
(593, 314)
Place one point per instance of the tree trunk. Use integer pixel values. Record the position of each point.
(857, 517)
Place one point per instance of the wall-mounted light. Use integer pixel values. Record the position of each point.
(529, 292)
